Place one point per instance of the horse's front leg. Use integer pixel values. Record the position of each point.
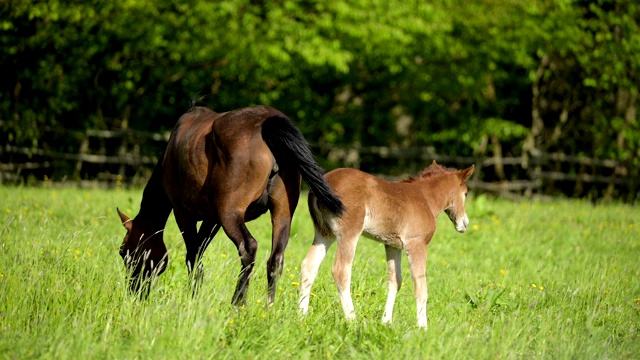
(394, 260)
(195, 251)
(195, 242)
(188, 228)
(417, 254)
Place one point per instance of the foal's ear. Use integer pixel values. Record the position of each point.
(466, 173)
(126, 222)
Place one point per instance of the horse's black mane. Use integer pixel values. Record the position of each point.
(198, 100)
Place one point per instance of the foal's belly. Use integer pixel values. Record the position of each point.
(388, 238)
(380, 227)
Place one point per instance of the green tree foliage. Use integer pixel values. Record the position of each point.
(464, 77)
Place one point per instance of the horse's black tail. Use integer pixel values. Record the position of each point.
(289, 145)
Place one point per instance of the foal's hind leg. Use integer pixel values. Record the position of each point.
(310, 266)
(342, 270)
(394, 259)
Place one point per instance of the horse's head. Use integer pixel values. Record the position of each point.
(456, 209)
(142, 250)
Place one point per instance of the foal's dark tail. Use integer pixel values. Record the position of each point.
(289, 145)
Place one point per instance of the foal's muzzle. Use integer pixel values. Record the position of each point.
(460, 223)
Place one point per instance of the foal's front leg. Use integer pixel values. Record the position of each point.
(417, 254)
(394, 260)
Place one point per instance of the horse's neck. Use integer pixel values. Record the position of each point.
(155, 206)
(437, 192)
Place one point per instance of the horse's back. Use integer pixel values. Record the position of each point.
(245, 121)
(209, 153)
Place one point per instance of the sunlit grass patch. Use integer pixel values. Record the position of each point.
(554, 279)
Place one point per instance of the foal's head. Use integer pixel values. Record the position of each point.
(456, 209)
(142, 250)
(454, 206)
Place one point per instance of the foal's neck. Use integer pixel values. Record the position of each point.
(438, 191)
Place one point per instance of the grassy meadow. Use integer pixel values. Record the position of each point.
(555, 279)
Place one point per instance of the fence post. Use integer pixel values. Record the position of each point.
(84, 146)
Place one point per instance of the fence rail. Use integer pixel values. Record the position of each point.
(513, 177)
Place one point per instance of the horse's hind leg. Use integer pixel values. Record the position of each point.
(284, 195)
(394, 259)
(236, 230)
(310, 266)
(280, 239)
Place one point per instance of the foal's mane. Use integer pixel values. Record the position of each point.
(432, 170)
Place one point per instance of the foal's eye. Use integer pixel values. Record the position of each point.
(465, 194)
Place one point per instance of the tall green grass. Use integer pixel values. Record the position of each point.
(557, 280)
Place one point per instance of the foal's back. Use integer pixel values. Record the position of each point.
(382, 210)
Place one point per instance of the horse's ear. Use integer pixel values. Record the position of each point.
(126, 222)
(466, 173)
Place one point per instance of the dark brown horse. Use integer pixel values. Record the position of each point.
(224, 169)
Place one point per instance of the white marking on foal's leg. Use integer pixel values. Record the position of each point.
(309, 269)
(421, 306)
(417, 264)
(394, 258)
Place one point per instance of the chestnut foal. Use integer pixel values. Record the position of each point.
(401, 215)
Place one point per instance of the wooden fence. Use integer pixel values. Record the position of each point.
(126, 158)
